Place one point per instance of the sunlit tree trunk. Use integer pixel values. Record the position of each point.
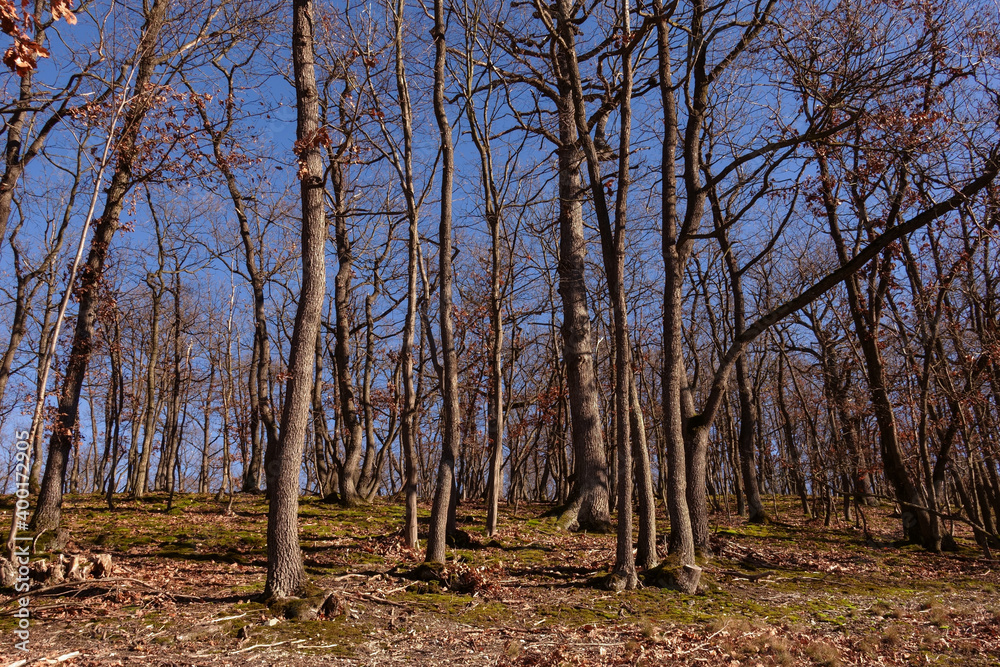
(49, 509)
(674, 377)
(285, 571)
(587, 508)
(450, 429)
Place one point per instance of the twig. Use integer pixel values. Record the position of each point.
(396, 590)
(705, 643)
(109, 583)
(746, 575)
(349, 576)
(45, 661)
(227, 618)
(374, 598)
(49, 607)
(250, 648)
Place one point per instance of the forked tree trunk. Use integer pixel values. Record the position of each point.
(46, 327)
(28, 283)
(259, 381)
(613, 253)
(788, 428)
(493, 210)
(916, 519)
(587, 508)
(748, 415)
(24, 118)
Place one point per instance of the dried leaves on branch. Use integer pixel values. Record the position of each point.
(19, 23)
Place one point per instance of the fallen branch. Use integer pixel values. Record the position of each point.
(374, 598)
(45, 661)
(256, 646)
(50, 607)
(227, 618)
(574, 644)
(109, 583)
(704, 644)
(942, 515)
(746, 575)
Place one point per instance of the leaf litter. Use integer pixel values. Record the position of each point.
(186, 585)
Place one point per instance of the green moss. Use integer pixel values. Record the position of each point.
(484, 613)
(429, 599)
(574, 615)
(533, 554)
(369, 559)
(803, 592)
(338, 637)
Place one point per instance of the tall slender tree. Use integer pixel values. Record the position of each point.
(443, 507)
(49, 508)
(285, 570)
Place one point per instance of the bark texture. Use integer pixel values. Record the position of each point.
(285, 570)
(49, 508)
(444, 493)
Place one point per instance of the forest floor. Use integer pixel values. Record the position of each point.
(184, 588)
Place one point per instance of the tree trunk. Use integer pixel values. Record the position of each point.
(443, 507)
(613, 253)
(408, 427)
(748, 416)
(495, 411)
(587, 509)
(16, 155)
(259, 382)
(350, 472)
(27, 284)
(794, 457)
(113, 407)
(371, 469)
(285, 570)
(674, 376)
(46, 328)
(206, 442)
(327, 476)
(156, 287)
(646, 556)
(49, 509)
(171, 436)
(916, 520)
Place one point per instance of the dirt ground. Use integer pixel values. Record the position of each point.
(185, 586)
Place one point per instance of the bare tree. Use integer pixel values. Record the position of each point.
(49, 507)
(444, 496)
(284, 557)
